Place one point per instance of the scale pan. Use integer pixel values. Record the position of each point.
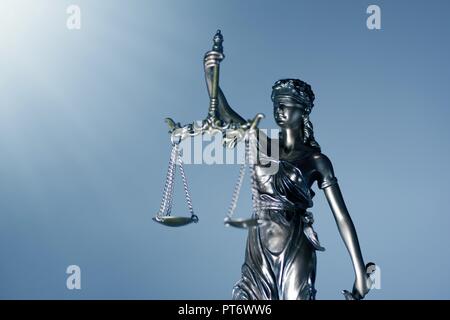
(173, 221)
(244, 223)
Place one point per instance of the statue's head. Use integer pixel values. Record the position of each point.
(293, 100)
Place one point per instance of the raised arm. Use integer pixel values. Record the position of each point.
(225, 112)
(328, 183)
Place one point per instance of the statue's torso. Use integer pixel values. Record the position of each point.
(285, 194)
(288, 179)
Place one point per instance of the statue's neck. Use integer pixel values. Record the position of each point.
(291, 139)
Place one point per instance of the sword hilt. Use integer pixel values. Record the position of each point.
(370, 268)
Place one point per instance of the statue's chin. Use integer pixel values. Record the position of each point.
(282, 124)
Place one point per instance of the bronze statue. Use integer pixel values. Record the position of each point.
(280, 260)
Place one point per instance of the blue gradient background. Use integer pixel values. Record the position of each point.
(84, 149)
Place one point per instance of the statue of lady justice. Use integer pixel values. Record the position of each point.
(280, 259)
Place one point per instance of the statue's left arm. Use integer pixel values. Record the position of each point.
(329, 184)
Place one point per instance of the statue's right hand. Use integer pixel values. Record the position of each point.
(212, 58)
(363, 283)
(361, 286)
